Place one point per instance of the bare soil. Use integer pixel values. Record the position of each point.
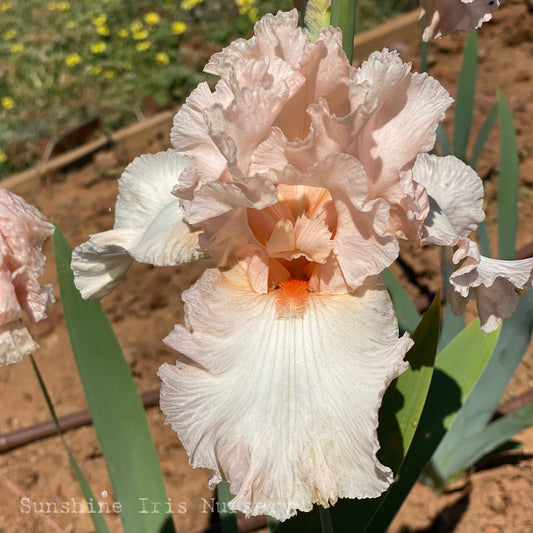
(144, 309)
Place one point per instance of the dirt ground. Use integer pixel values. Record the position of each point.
(144, 309)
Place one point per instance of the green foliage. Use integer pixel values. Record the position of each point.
(457, 369)
(228, 518)
(408, 316)
(343, 17)
(508, 185)
(472, 435)
(464, 104)
(115, 406)
(99, 523)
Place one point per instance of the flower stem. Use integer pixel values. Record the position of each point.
(343, 17)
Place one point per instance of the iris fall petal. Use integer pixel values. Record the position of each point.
(285, 389)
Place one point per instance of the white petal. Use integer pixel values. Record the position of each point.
(279, 393)
(100, 263)
(15, 342)
(145, 188)
(455, 197)
(494, 284)
(168, 240)
(149, 227)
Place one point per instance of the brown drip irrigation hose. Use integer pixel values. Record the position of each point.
(19, 437)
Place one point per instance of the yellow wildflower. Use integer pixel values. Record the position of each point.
(241, 3)
(5, 6)
(99, 20)
(9, 34)
(71, 24)
(63, 6)
(95, 71)
(108, 74)
(152, 18)
(187, 5)
(161, 58)
(72, 60)
(102, 30)
(140, 35)
(3, 156)
(142, 46)
(98, 48)
(136, 26)
(179, 27)
(123, 33)
(17, 47)
(253, 14)
(8, 102)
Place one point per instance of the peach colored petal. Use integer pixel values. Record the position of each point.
(216, 198)
(274, 36)
(362, 245)
(238, 128)
(402, 126)
(190, 134)
(308, 237)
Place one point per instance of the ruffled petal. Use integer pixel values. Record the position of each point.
(408, 109)
(190, 134)
(274, 36)
(443, 17)
(15, 342)
(494, 284)
(149, 227)
(279, 393)
(23, 230)
(362, 245)
(246, 122)
(308, 237)
(100, 263)
(455, 194)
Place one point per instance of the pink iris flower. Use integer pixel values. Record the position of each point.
(297, 176)
(23, 229)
